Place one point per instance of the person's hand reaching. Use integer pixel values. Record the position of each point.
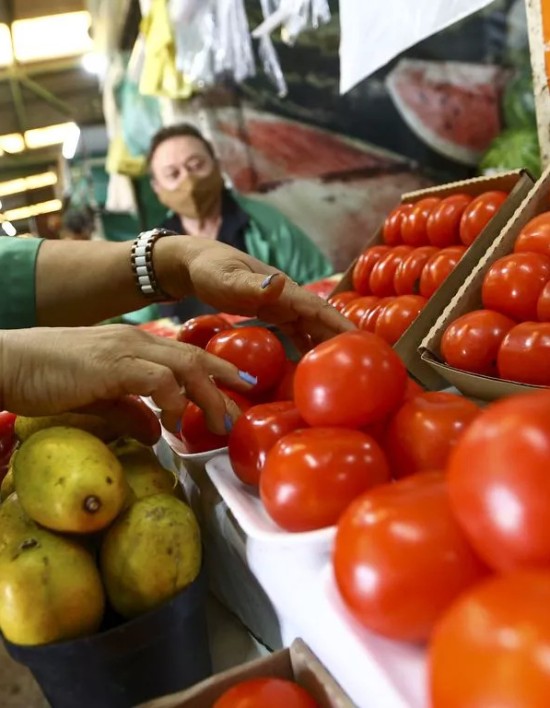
(45, 371)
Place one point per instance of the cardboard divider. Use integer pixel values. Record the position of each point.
(298, 663)
(468, 298)
(518, 184)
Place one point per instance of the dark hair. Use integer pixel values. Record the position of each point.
(185, 130)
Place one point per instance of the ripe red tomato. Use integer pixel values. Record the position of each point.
(406, 280)
(7, 440)
(438, 268)
(396, 316)
(413, 389)
(499, 483)
(198, 331)
(255, 350)
(351, 380)
(341, 299)
(513, 284)
(266, 693)
(357, 309)
(364, 265)
(443, 227)
(391, 232)
(498, 633)
(285, 388)
(400, 558)
(543, 304)
(369, 319)
(524, 354)
(310, 476)
(422, 433)
(256, 432)
(383, 272)
(535, 236)
(471, 342)
(196, 434)
(478, 213)
(413, 228)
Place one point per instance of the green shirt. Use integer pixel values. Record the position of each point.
(18, 267)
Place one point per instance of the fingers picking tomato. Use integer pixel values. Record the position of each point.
(198, 331)
(383, 273)
(266, 693)
(351, 380)
(499, 484)
(443, 226)
(255, 350)
(397, 316)
(195, 432)
(413, 228)
(524, 354)
(472, 342)
(422, 433)
(310, 476)
(256, 432)
(364, 265)
(535, 236)
(400, 558)
(438, 267)
(513, 284)
(496, 633)
(391, 232)
(478, 213)
(406, 280)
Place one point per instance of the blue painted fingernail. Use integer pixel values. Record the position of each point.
(228, 421)
(269, 280)
(178, 426)
(248, 378)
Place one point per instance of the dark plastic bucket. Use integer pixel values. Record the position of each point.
(161, 652)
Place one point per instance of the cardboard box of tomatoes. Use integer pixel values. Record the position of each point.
(498, 299)
(517, 185)
(297, 664)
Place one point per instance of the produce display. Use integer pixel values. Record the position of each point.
(422, 243)
(92, 528)
(510, 337)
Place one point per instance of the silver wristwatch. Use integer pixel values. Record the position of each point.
(141, 260)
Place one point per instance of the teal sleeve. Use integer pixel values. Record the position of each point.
(284, 246)
(18, 258)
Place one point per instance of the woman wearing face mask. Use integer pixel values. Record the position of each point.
(187, 179)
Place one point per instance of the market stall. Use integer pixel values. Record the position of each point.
(371, 528)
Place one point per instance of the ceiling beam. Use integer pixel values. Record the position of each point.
(45, 95)
(50, 66)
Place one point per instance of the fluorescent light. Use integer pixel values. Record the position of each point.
(12, 142)
(71, 141)
(6, 54)
(95, 63)
(9, 228)
(25, 184)
(49, 135)
(27, 212)
(53, 36)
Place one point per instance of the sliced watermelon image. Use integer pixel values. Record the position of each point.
(454, 107)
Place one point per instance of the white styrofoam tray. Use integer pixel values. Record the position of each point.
(180, 449)
(245, 504)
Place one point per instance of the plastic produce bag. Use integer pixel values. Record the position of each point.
(212, 39)
(375, 31)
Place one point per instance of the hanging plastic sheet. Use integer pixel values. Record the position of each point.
(212, 39)
(375, 31)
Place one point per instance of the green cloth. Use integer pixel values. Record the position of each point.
(274, 239)
(18, 267)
